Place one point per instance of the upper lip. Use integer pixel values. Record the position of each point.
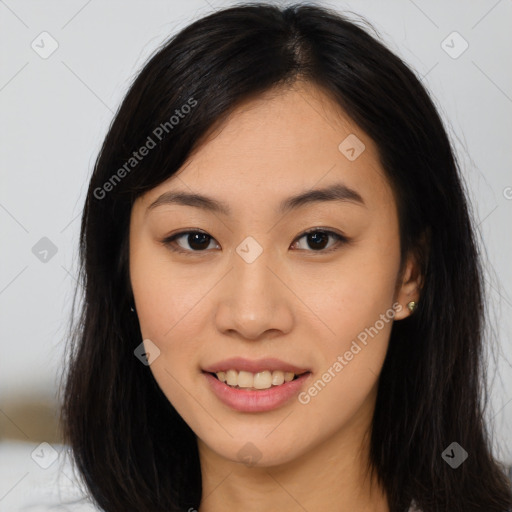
(253, 365)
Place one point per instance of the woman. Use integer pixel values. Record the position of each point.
(283, 297)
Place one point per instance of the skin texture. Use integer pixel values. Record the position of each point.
(294, 302)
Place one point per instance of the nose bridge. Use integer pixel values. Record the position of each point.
(256, 300)
(253, 279)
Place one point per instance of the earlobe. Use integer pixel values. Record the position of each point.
(405, 309)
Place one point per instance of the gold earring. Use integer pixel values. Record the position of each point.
(412, 305)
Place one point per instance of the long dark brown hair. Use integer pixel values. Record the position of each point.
(132, 449)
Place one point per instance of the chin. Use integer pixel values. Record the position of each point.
(258, 452)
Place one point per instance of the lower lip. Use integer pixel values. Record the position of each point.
(256, 401)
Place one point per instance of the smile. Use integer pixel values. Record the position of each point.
(260, 380)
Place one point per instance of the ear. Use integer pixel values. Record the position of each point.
(410, 280)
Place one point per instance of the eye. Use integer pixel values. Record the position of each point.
(317, 238)
(197, 240)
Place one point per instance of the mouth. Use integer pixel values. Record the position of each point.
(266, 379)
(259, 392)
(256, 385)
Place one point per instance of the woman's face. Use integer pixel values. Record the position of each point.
(253, 286)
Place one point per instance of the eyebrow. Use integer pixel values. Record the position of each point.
(336, 192)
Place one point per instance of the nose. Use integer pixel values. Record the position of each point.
(254, 302)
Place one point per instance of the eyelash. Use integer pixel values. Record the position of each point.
(169, 241)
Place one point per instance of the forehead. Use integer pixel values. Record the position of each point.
(280, 143)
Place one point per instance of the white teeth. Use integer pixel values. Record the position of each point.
(245, 379)
(261, 380)
(232, 377)
(288, 376)
(277, 378)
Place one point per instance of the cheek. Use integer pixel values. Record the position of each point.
(352, 292)
(355, 305)
(164, 295)
(350, 361)
(169, 309)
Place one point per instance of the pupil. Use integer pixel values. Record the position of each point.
(201, 242)
(315, 237)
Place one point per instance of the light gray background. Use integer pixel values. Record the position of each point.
(55, 113)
